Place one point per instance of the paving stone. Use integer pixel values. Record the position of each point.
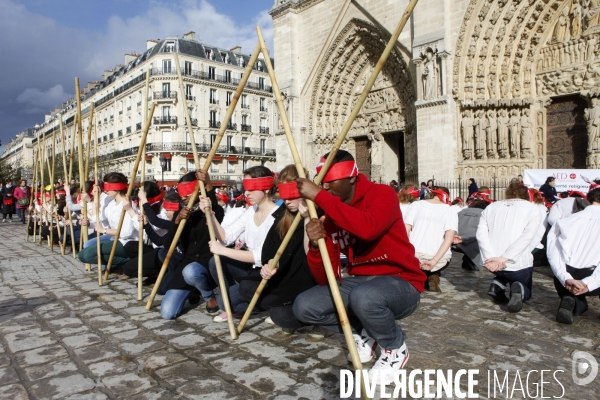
(112, 366)
(8, 375)
(179, 374)
(190, 340)
(13, 392)
(41, 355)
(139, 346)
(128, 384)
(156, 394)
(118, 327)
(254, 376)
(95, 353)
(30, 339)
(49, 370)
(60, 387)
(82, 340)
(159, 359)
(211, 388)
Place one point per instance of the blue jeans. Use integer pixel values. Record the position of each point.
(196, 276)
(372, 303)
(231, 269)
(524, 276)
(92, 241)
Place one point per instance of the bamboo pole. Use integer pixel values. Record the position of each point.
(130, 189)
(33, 193)
(200, 186)
(97, 208)
(43, 194)
(67, 182)
(35, 229)
(72, 153)
(52, 192)
(88, 149)
(140, 288)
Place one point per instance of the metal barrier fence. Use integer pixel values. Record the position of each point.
(460, 187)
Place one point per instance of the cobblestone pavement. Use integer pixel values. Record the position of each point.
(63, 337)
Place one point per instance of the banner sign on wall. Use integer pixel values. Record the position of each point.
(566, 179)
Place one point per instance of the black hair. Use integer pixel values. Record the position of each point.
(240, 203)
(152, 190)
(340, 156)
(479, 204)
(116, 177)
(473, 180)
(172, 197)
(550, 179)
(261, 171)
(189, 177)
(594, 196)
(74, 188)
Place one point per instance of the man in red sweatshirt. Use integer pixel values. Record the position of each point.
(362, 220)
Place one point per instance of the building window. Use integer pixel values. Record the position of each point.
(229, 140)
(263, 104)
(169, 47)
(166, 90)
(166, 66)
(245, 101)
(261, 83)
(244, 165)
(229, 98)
(166, 112)
(187, 69)
(212, 119)
(214, 167)
(241, 61)
(244, 120)
(211, 73)
(188, 92)
(263, 146)
(213, 96)
(213, 137)
(258, 66)
(209, 54)
(227, 76)
(244, 145)
(230, 168)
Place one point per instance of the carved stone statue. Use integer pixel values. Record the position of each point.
(430, 76)
(526, 133)
(479, 127)
(592, 116)
(592, 14)
(491, 133)
(467, 134)
(576, 15)
(513, 133)
(561, 29)
(503, 134)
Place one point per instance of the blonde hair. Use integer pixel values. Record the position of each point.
(288, 174)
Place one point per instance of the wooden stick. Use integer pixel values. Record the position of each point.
(72, 153)
(68, 182)
(88, 149)
(97, 208)
(37, 160)
(52, 198)
(33, 196)
(43, 194)
(140, 294)
(130, 189)
(200, 187)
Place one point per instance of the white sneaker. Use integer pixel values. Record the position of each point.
(366, 347)
(223, 317)
(10, 220)
(4, 220)
(389, 362)
(269, 321)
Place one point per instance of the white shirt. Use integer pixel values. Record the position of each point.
(575, 241)
(561, 209)
(537, 239)
(429, 225)
(506, 229)
(232, 214)
(255, 235)
(456, 208)
(112, 214)
(404, 207)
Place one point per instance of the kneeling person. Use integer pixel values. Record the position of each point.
(363, 221)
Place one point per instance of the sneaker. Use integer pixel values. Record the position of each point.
(565, 310)
(4, 220)
(365, 345)
(317, 334)
(515, 304)
(269, 321)
(212, 306)
(9, 220)
(223, 317)
(389, 362)
(497, 291)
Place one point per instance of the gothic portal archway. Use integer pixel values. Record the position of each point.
(387, 119)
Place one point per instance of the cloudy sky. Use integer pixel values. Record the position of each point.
(45, 44)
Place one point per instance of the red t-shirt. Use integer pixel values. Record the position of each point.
(370, 232)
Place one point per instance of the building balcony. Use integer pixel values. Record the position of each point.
(264, 109)
(165, 95)
(190, 97)
(246, 106)
(165, 120)
(119, 133)
(128, 129)
(129, 108)
(194, 121)
(206, 147)
(163, 71)
(213, 101)
(264, 129)
(138, 126)
(246, 128)
(214, 124)
(232, 126)
(139, 103)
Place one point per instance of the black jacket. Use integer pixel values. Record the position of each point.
(549, 193)
(157, 222)
(194, 240)
(293, 276)
(8, 208)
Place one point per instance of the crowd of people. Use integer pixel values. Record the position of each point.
(387, 244)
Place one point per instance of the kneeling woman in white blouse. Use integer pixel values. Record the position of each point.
(505, 231)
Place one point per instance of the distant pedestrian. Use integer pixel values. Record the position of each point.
(549, 191)
(473, 188)
(22, 196)
(8, 200)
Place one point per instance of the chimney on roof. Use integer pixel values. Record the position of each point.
(130, 57)
(191, 35)
(150, 43)
(237, 49)
(106, 74)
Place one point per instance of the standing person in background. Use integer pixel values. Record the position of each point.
(505, 232)
(22, 192)
(472, 187)
(549, 191)
(8, 200)
(424, 191)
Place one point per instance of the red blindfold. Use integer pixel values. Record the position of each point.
(156, 199)
(170, 206)
(223, 197)
(288, 191)
(117, 187)
(264, 183)
(341, 170)
(186, 188)
(443, 196)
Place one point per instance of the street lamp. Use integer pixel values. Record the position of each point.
(163, 165)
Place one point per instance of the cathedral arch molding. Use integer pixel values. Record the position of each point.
(389, 108)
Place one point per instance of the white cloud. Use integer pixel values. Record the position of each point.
(35, 100)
